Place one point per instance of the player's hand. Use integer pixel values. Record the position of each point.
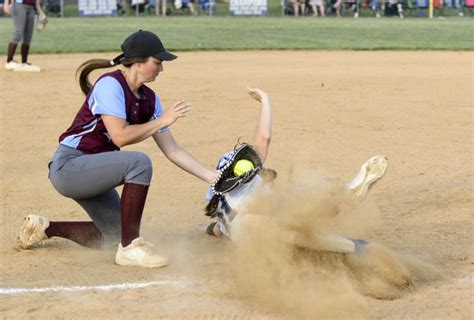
(179, 110)
(257, 94)
(42, 17)
(7, 9)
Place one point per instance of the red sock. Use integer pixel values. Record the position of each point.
(84, 233)
(131, 207)
(24, 53)
(11, 51)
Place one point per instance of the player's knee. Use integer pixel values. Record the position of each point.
(16, 38)
(143, 162)
(141, 169)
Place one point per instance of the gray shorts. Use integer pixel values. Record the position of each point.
(91, 179)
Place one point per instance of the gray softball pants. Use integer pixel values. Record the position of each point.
(23, 23)
(91, 179)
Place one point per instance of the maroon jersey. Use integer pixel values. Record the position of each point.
(28, 2)
(110, 95)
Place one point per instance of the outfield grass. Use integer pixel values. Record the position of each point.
(253, 33)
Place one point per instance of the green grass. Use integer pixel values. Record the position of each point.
(253, 33)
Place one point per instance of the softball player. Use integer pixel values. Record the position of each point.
(23, 12)
(119, 110)
(236, 200)
(231, 204)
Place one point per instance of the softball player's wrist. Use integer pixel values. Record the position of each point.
(212, 177)
(160, 125)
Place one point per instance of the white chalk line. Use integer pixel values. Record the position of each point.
(468, 279)
(179, 282)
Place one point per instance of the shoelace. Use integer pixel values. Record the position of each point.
(145, 245)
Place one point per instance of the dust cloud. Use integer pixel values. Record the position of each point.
(303, 283)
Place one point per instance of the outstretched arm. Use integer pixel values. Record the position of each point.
(39, 9)
(181, 158)
(263, 131)
(124, 134)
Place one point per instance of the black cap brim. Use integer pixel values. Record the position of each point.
(165, 56)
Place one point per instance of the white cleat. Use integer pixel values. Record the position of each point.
(33, 231)
(138, 254)
(370, 172)
(11, 65)
(27, 67)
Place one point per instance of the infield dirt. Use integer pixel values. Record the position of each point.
(331, 112)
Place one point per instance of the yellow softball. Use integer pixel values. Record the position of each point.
(242, 166)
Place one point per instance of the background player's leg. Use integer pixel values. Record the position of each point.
(11, 51)
(25, 50)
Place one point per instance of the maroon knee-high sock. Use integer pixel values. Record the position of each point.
(24, 53)
(131, 207)
(11, 51)
(84, 233)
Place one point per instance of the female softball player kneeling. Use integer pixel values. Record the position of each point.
(119, 110)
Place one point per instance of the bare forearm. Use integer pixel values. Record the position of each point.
(264, 124)
(38, 6)
(186, 162)
(263, 131)
(131, 134)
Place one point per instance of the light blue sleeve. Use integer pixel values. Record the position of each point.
(158, 112)
(107, 97)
